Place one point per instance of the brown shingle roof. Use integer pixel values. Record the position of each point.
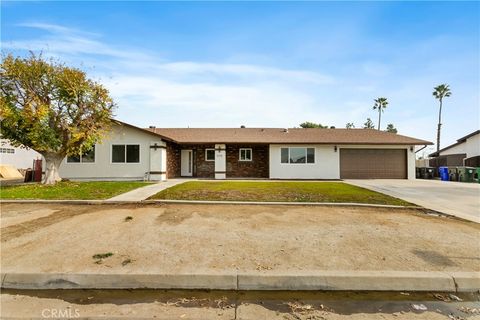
(278, 135)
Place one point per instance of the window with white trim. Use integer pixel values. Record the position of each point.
(245, 154)
(84, 157)
(7, 150)
(125, 153)
(209, 154)
(297, 155)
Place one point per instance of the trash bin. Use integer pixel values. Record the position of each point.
(418, 175)
(427, 173)
(443, 172)
(28, 175)
(465, 174)
(452, 174)
(478, 174)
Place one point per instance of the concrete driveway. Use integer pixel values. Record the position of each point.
(454, 198)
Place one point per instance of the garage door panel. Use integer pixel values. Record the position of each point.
(373, 164)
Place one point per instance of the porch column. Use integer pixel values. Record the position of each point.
(220, 161)
(158, 161)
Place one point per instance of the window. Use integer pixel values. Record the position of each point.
(245, 154)
(7, 150)
(85, 157)
(129, 153)
(209, 154)
(297, 155)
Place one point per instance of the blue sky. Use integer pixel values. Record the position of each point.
(271, 64)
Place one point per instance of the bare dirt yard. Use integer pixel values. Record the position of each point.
(160, 238)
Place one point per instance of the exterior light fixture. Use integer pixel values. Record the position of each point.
(335, 148)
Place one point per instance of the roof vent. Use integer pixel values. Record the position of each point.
(242, 126)
(285, 130)
(332, 127)
(152, 127)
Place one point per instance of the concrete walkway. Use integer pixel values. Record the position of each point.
(147, 191)
(454, 198)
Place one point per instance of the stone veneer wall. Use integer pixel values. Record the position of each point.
(173, 160)
(257, 168)
(202, 168)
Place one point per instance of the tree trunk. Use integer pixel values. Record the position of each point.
(379, 117)
(439, 125)
(52, 164)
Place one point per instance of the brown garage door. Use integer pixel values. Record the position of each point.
(373, 163)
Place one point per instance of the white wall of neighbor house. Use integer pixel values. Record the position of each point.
(460, 148)
(326, 165)
(104, 169)
(327, 161)
(473, 146)
(20, 158)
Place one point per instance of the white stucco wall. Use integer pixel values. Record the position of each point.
(327, 162)
(103, 168)
(473, 146)
(461, 148)
(21, 158)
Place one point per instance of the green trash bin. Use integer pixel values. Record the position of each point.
(465, 174)
(478, 174)
(452, 174)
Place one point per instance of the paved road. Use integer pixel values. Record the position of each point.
(455, 198)
(223, 305)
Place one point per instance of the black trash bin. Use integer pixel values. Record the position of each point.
(28, 175)
(427, 173)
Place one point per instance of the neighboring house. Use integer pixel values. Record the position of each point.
(465, 152)
(130, 152)
(20, 158)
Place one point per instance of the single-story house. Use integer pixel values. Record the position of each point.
(17, 157)
(465, 152)
(152, 153)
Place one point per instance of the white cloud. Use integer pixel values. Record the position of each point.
(151, 89)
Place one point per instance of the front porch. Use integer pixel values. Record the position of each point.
(218, 161)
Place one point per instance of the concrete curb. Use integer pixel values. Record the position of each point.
(269, 203)
(284, 203)
(319, 280)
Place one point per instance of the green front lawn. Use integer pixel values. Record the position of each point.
(69, 190)
(292, 191)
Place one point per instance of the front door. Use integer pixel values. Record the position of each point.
(186, 164)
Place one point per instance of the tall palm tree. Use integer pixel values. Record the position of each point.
(380, 105)
(441, 91)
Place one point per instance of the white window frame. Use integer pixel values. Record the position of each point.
(126, 144)
(306, 155)
(240, 154)
(7, 150)
(209, 149)
(81, 162)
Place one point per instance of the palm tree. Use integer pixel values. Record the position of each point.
(441, 91)
(369, 124)
(380, 104)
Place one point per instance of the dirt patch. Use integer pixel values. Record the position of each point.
(196, 238)
(20, 219)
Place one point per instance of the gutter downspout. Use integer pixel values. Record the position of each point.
(421, 149)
